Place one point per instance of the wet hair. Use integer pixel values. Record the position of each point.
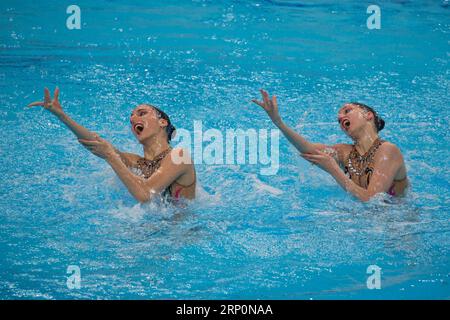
(378, 121)
(170, 129)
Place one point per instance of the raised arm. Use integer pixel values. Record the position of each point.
(270, 105)
(54, 106)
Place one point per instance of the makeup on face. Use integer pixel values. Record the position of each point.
(138, 124)
(147, 116)
(343, 120)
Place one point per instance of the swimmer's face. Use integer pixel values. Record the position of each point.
(352, 118)
(145, 122)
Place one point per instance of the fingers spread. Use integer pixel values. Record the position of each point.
(56, 94)
(37, 103)
(265, 97)
(259, 103)
(47, 95)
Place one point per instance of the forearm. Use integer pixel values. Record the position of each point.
(80, 131)
(135, 185)
(300, 143)
(349, 186)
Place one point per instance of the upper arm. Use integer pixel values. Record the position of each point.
(387, 162)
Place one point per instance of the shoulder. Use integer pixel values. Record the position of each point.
(180, 152)
(390, 150)
(178, 164)
(179, 157)
(389, 154)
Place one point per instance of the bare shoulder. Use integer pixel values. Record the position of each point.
(178, 166)
(181, 157)
(390, 150)
(389, 157)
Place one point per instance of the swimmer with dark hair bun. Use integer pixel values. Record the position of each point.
(365, 168)
(162, 171)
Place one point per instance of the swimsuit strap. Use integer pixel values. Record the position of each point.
(374, 147)
(369, 153)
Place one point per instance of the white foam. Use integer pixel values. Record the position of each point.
(261, 186)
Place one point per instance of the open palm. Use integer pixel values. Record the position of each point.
(269, 105)
(50, 104)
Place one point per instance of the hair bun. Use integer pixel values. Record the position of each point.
(380, 124)
(171, 132)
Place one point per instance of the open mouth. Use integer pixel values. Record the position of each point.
(138, 128)
(346, 124)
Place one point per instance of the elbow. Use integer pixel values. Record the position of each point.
(142, 198)
(366, 196)
(140, 193)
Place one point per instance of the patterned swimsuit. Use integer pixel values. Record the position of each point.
(365, 167)
(148, 167)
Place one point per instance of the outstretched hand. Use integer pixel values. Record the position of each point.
(50, 104)
(269, 105)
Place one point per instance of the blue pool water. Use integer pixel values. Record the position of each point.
(293, 235)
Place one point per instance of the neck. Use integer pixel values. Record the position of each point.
(366, 140)
(154, 146)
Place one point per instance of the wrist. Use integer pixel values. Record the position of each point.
(59, 114)
(112, 156)
(332, 167)
(277, 121)
(335, 169)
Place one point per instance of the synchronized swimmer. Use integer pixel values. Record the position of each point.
(155, 174)
(368, 167)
